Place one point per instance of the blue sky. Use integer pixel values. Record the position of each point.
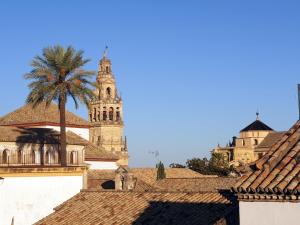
(191, 73)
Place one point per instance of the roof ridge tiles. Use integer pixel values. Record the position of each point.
(278, 171)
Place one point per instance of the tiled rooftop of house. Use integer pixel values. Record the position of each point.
(177, 179)
(152, 208)
(276, 174)
(40, 115)
(203, 184)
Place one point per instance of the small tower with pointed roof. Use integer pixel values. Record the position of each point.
(106, 113)
(243, 149)
(250, 137)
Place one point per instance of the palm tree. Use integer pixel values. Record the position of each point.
(56, 75)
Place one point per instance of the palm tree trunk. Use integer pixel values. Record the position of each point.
(63, 144)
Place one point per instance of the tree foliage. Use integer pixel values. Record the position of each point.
(217, 165)
(176, 165)
(161, 174)
(56, 75)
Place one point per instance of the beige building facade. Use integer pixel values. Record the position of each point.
(106, 114)
(242, 149)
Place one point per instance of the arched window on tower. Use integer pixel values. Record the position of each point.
(95, 114)
(107, 69)
(5, 156)
(255, 142)
(104, 113)
(108, 92)
(111, 114)
(98, 115)
(117, 116)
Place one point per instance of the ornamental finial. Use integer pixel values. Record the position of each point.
(257, 115)
(105, 52)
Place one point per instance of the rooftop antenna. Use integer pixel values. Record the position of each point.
(155, 153)
(299, 99)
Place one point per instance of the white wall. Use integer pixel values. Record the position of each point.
(95, 165)
(269, 213)
(29, 199)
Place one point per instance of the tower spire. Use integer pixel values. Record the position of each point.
(257, 115)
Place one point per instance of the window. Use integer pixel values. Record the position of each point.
(33, 156)
(107, 69)
(243, 142)
(5, 157)
(73, 158)
(98, 116)
(255, 142)
(50, 157)
(104, 115)
(99, 141)
(111, 114)
(108, 92)
(117, 116)
(95, 113)
(48, 160)
(19, 156)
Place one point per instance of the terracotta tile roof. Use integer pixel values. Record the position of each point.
(278, 171)
(36, 135)
(104, 179)
(94, 153)
(149, 174)
(41, 115)
(203, 184)
(152, 208)
(269, 140)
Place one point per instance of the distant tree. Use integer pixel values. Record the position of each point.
(161, 174)
(56, 75)
(198, 165)
(217, 165)
(218, 160)
(176, 165)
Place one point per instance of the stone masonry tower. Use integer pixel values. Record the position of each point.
(106, 115)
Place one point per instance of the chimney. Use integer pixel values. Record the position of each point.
(124, 181)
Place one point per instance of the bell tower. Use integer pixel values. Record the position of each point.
(106, 114)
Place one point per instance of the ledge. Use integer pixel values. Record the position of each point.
(42, 171)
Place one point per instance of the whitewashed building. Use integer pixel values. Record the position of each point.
(32, 180)
(48, 117)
